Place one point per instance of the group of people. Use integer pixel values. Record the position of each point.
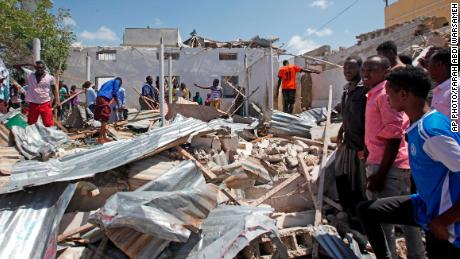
(150, 94)
(398, 162)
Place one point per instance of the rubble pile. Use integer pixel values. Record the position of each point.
(227, 188)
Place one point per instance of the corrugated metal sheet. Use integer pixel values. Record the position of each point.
(290, 125)
(37, 140)
(229, 229)
(29, 220)
(315, 115)
(159, 212)
(99, 159)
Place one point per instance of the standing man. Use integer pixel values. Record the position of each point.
(90, 95)
(151, 92)
(216, 93)
(389, 50)
(387, 164)
(287, 78)
(38, 95)
(4, 95)
(439, 67)
(121, 107)
(434, 157)
(108, 94)
(349, 164)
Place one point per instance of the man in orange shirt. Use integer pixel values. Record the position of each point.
(287, 76)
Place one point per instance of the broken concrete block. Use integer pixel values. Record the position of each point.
(294, 219)
(302, 144)
(230, 142)
(246, 151)
(220, 159)
(292, 162)
(206, 141)
(273, 158)
(263, 144)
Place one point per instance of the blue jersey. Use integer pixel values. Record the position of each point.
(110, 89)
(434, 157)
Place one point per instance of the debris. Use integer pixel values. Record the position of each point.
(165, 208)
(89, 162)
(30, 220)
(85, 228)
(37, 140)
(236, 227)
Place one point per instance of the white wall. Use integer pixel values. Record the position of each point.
(194, 65)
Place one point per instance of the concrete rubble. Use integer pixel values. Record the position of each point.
(226, 188)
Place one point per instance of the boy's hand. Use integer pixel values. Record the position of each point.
(439, 228)
(376, 182)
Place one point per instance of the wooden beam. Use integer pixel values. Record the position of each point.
(68, 99)
(319, 203)
(306, 173)
(85, 228)
(275, 190)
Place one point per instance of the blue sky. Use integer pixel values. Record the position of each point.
(296, 22)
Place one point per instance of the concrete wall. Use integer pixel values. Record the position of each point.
(194, 65)
(403, 36)
(407, 10)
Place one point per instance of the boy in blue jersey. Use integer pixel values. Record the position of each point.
(434, 157)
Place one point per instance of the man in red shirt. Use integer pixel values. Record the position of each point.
(287, 76)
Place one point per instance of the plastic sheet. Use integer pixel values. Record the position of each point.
(30, 220)
(99, 159)
(229, 229)
(37, 140)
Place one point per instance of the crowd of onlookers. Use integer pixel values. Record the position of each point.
(398, 161)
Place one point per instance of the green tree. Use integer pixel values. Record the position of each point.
(18, 27)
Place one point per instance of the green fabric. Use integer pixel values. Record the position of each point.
(62, 94)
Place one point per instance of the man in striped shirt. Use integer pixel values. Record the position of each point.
(434, 157)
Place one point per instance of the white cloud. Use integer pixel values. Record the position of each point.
(321, 33)
(323, 4)
(158, 22)
(300, 45)
(68, 21)
(77, 44)
(103, 33)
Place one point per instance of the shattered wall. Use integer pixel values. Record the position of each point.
(194, 65)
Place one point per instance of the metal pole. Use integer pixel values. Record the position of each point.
(162, 83)
(271, 82)
(246, 103)
(88, 67)
(170, 80)
(36, 49)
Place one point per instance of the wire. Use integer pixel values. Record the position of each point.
(337, 16)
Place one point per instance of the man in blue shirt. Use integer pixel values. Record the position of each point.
(434, 157)
(108, 94)
(149, 96)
